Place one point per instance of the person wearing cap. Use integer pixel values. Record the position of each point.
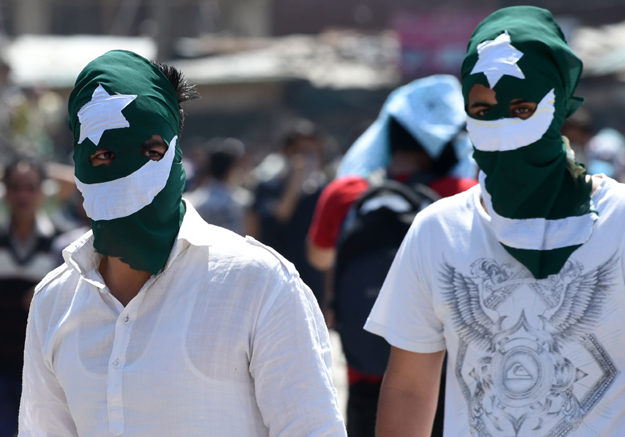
(520, 278)
(157, 323)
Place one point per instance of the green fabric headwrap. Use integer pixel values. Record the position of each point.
(539, 210)
(119, 101)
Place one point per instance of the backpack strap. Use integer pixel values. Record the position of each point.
(418, 195)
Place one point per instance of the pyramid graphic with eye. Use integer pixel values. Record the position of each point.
(528, 361)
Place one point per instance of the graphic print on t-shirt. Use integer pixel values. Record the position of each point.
(528, 362)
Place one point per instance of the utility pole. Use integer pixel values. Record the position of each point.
(31, 16)
(162, 16)
(251, 18)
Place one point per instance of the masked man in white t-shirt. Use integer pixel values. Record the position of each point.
(519, 279)
(159, 324)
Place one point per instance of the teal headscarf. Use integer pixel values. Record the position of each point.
(540, 209)
(119, 101)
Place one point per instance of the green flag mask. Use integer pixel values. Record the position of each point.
(121, 100)
(540, 209)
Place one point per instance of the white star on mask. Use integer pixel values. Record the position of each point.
(498, 58)
(103, 112)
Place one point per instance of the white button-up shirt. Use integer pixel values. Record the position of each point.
(225, 341)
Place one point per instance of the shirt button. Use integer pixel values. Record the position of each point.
(126, 319)
(116, 363)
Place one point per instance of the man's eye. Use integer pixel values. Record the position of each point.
(102, 157)
(152, 154)
(522, 112)
(105, 155)
(481, 113)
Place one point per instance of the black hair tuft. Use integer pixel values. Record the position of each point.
(185, 90)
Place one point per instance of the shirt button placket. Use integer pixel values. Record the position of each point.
(123, 328)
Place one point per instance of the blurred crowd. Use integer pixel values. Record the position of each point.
(271, 198)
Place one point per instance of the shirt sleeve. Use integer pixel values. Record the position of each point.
(43, 409)
(332, 208)
(291, 366)
(404, 313)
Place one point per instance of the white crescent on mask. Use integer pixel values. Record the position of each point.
(125, 196)
(538, 233)
(512, 133)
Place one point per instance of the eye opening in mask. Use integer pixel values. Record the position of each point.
(482, 99)
(522, 108)
(153, 148)
(103, 156)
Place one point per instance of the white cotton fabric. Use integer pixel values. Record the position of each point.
(103, 112)
(512, 133)
(497, 58)
(539, 233)
(125, 196)
(517, 347)
(225, 341)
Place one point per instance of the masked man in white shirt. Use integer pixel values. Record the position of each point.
(520, 278)
(157, 323)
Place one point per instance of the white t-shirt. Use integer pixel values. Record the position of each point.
(526, 357)
(225, 341)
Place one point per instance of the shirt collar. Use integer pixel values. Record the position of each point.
(194, 231)
(82, 257)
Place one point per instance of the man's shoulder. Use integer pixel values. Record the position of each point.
(56, 287)
(245, 252)
(270, 257)
(334, 203)
(609, 197)
(453, 208)
(346, 186)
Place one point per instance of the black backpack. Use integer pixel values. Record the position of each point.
(371, 235)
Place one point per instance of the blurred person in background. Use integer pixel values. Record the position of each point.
(197, 154)
(74, 213)
(11, 97)
(578, 130)
(605, 154)
(36, 120)
(219, 199)
(417, 142)
(25, 239)
(285, 198)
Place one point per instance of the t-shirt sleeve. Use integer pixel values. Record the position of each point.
(404, 312)
(332, 208)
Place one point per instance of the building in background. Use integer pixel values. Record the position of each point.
(262, 63)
